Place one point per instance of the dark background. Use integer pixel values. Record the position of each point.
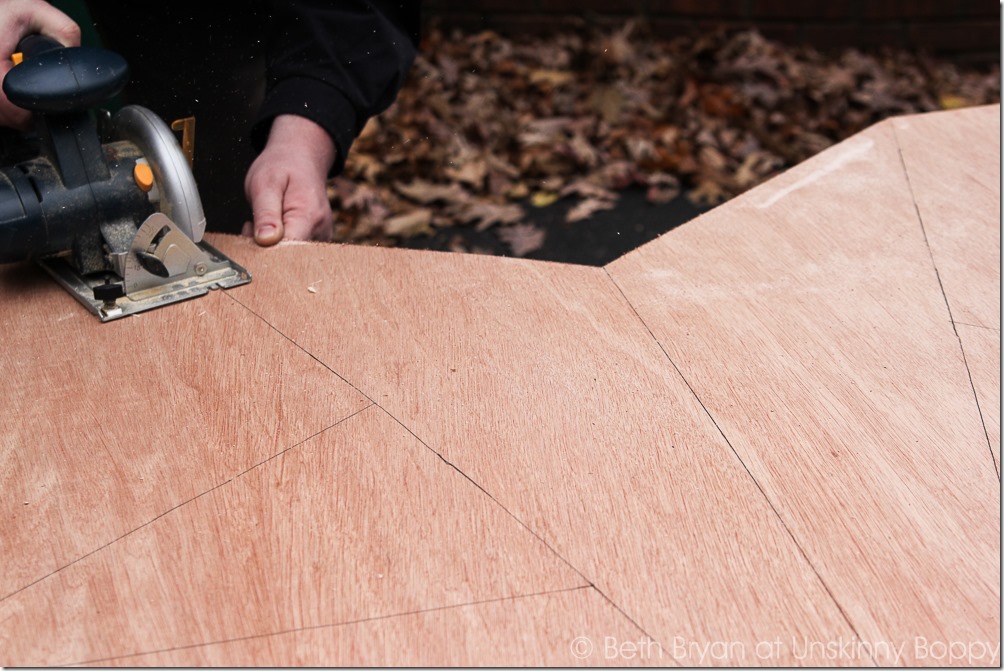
(963, 30)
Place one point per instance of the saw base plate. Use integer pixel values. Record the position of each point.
(220, 273)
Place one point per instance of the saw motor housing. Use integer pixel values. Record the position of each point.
(107, 204)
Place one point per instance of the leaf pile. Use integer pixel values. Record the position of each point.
(487, 127)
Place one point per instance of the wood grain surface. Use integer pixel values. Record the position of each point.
(808, 317)
(538, 382)
(770, 437)
(360, 521)
(952, 162)
(982, 348)
(576, 627)
(108, 426)
(958, 200)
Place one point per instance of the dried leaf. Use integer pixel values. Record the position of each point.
(950, 102)
(587, 208)
(490, 214)
(523, 238)
(410, 223)
(551, 78)
(471, 173)
(587, 188)
(544, 131)
(486, 120)
(518, 191)
(708, 192)
(662, 188)
(618, 47)
(543, 198)
(427, 193)
(609, 103)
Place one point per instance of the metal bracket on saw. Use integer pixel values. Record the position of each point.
(113, 216)
(162, 266)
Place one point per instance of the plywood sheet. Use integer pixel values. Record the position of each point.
(575, 627)
(107, 426)
(952, 161)
(809, 320)
(359, 522)
(982, 348)
(539, 383)
(759, 440)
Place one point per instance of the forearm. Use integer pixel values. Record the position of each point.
(303, 140)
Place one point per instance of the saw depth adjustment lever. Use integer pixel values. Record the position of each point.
(111, 210)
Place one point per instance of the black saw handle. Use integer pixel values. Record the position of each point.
(33, 45)
(52, 79)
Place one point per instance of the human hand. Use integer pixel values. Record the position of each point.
(287, 184)
(18, 19)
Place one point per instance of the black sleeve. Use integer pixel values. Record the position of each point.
(337, 63)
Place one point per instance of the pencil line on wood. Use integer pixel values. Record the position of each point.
(728, 442)
(332, 625)
(99, 549)
(451, 465)
(523, 524)
(305, 351)
(183, 503)
(978, 326)
(282, 452)
(944, 297)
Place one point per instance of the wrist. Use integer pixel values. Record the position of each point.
(309, 140)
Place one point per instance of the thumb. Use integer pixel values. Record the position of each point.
(52, 22)
(266, 205)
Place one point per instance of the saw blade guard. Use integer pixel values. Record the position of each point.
(179, 194)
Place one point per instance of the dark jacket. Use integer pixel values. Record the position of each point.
(235, 67)
(336, 63)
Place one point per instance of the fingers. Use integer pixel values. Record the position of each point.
(288, 199)
(303, 218)
(309, 223)
(48, 20)
(286, 211)
(286, 185)
(11, 116)
(18, 19)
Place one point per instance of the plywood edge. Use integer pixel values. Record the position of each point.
(244, 248)
(811, 169)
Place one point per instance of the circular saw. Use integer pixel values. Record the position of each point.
(106, 203)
